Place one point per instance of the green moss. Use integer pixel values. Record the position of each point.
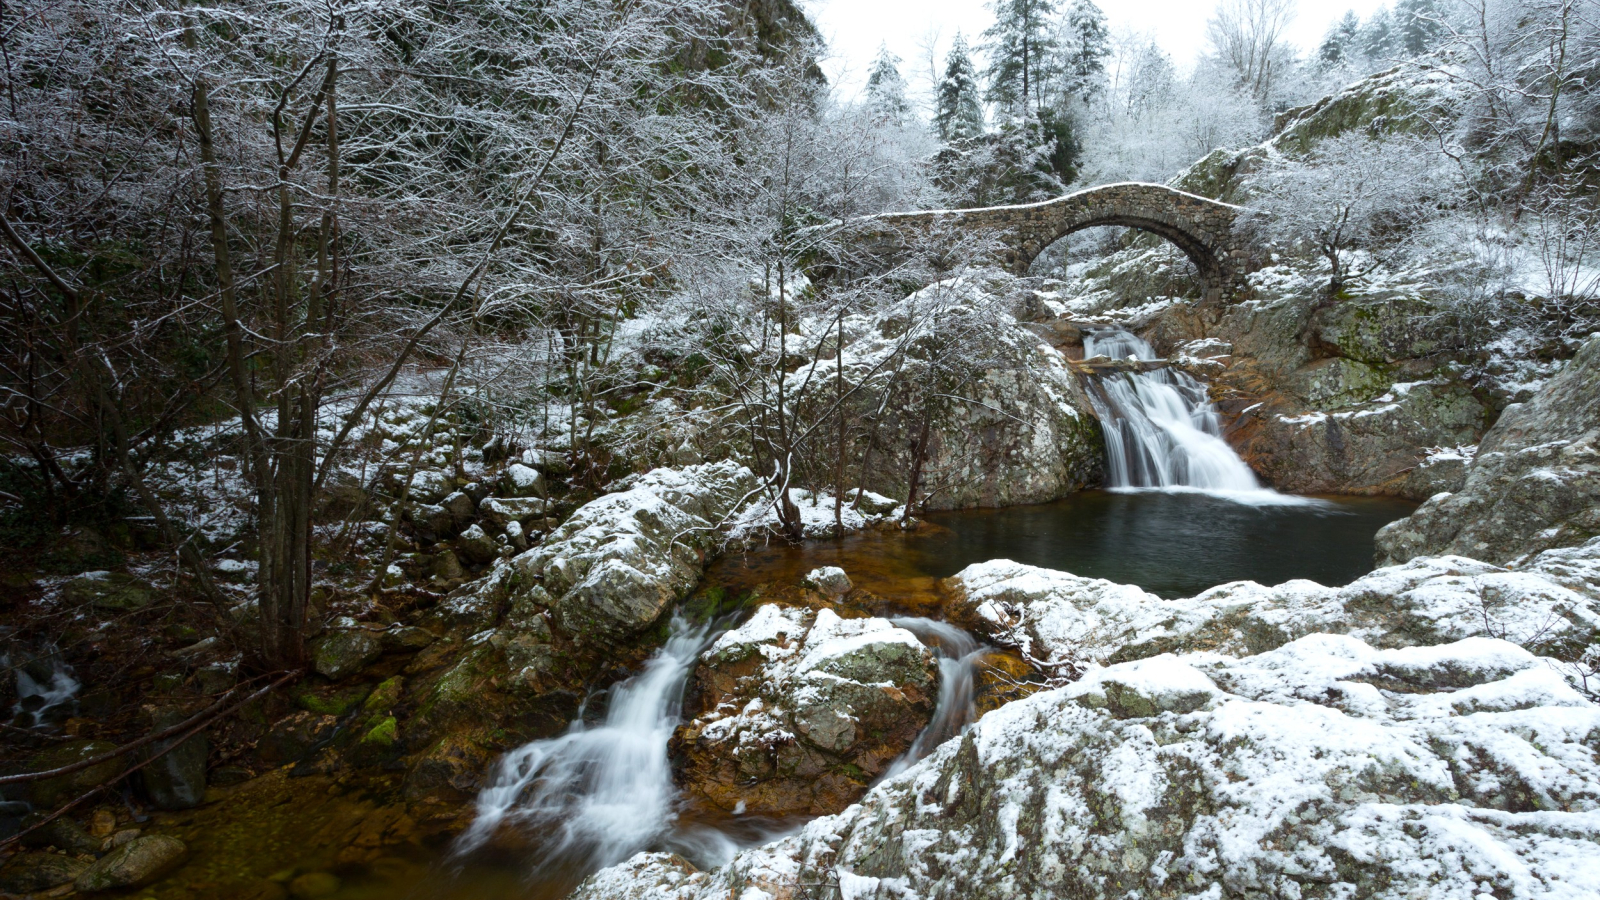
(331, 702)
(384, 696)
(384, 734)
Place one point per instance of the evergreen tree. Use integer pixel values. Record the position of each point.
(960, 115)
(1020, 49)
(1377, 39)
(1419, 25)
(886, 90)
(1087, 44)
(1340, 43)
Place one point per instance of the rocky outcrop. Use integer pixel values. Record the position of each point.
(1010, 423)
(612, 568)
(1326, 767)
(1534, 483)
(1069, 623)
(799, 711)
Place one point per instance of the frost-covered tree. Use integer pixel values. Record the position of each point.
(1022, 54)
(959, 115)
(1378, 40)
(886, 90)
(1085, 45)
(1419, 26)
(1248, 37)
(1354, 201)
(1339, 45)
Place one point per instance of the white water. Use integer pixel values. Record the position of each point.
(599, 794)
(1162, 431)
(35, 698)
(958, 656)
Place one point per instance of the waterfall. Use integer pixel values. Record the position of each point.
(599, 794)
(958, 654)
(46, 690)
(1161, 429)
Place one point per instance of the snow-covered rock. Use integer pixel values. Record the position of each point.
(799, 711)
(1065, 621)
(1533, 485)
(620, 560)
(1323, 768)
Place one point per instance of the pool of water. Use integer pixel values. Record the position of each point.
(1171, 544)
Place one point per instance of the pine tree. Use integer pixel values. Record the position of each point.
(960, 115)
(886, 90)
(1377, 39)
(1087, 44)
(1418, 26)
(1339, 45)
(1020, 49)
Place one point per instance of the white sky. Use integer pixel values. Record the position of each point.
(855, 28)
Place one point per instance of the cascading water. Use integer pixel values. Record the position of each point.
(1161, 429)
(958, 654)
(599, 794)
(46, 690)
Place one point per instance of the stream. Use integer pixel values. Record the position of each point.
(1182, 513)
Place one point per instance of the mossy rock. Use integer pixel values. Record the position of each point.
(384, 696)
(52, 792)
(111, 591)
(340, 654)
(137, 863)
(334, 701)
(28, 873)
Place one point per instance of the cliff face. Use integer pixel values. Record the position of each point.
(1533, 485)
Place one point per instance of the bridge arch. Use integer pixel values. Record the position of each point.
(1199, 226)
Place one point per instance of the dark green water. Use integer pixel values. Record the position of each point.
(1171, 544)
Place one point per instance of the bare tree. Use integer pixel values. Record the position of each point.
(1248, 37)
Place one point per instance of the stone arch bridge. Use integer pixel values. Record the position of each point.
(1201, 227)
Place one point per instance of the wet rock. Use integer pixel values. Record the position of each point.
(618, 562)
(1325, 762)
(52, 792)
(475, 545)
(28, 873)
(829, 581)
(1533, 485)
(314, 886)
(295, 736)
(62, 833)
(522, 481)
(111, 591)
(177, 778)
(798, 711)
(139, 862)
(340, 654)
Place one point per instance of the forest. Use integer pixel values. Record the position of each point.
(386, 382)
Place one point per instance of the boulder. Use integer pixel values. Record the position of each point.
(137, 863)
(461, 509)
(550, 462)
(615, 565)
(111, 591)
(342, 653)
(476, 546)
(176, 779)
(295, 736)
(1533, 485)
(502, 512)
(829, 581)
(798, 711)
(51, 792)
(522, 481)
(1325, 767)
(1066, 622)
(28, 873)
(62, 833)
